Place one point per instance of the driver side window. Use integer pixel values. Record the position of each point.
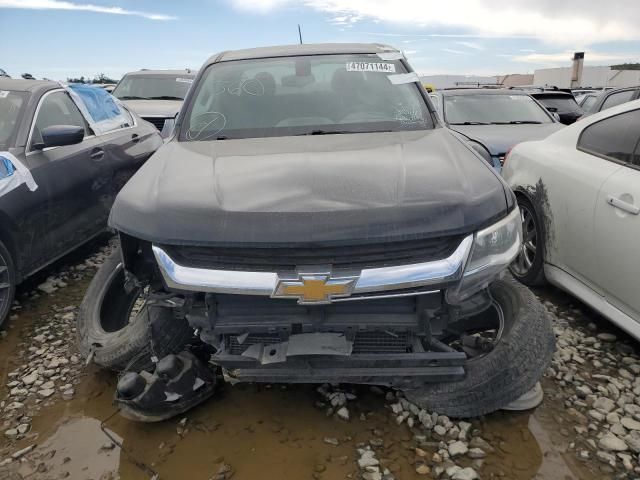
(57, 108)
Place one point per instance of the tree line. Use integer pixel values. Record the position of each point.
(102, 78)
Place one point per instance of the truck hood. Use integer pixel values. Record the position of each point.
(310, 189)
(154, 108)
(499, 139)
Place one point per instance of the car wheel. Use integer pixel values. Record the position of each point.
(7, 283)
(119, 330)
(523, 348)
(528, 267)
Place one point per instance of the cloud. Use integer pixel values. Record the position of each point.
(472, 45)
(455, 52)
(85, 7)
(569, 23)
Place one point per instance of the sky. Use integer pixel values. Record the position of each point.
(57, 39)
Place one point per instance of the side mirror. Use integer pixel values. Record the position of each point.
(556, 116)
(60, 135)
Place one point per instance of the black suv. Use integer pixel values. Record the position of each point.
(310, 220)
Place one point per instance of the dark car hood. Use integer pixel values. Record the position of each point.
(499, 139)
(312, 189)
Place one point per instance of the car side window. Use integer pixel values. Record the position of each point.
(102, 109)
(618, 99)
(56, 108)
(614, 138)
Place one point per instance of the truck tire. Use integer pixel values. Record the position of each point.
(118, 339)
(512, 368)
(7, 283)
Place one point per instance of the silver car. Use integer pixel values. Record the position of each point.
(155, 95)
(579, 196)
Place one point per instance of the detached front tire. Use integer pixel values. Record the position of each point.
(512, 368)
(119, 330)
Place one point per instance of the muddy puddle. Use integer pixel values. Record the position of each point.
(266, 432)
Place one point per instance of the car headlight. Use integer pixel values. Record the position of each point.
(494, 248)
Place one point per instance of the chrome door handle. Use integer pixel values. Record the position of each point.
(97, 154)
(622, 205)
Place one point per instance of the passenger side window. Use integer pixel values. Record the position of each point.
(614, 137)
(57, 108)
(618, 99)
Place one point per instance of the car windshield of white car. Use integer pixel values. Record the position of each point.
(493, 109)
(305, 95)
(153, 87)
(11, 107)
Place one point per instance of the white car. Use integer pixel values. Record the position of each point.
(579, 197)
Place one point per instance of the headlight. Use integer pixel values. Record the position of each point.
(494, 248)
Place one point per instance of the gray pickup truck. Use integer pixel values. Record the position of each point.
(310, 220)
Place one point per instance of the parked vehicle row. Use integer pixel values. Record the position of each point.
(314, 215)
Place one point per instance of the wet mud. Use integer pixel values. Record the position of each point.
(257, 431)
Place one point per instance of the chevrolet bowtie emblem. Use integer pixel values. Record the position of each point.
(314, 288)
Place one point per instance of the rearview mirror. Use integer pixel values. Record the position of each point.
(60, 135)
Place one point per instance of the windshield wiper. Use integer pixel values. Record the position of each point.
(470, 123)
(166, 97)
(338, 132)
(323, 132)
(518, 122)
(132, 97)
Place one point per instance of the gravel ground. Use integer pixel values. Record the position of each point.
(592, 394)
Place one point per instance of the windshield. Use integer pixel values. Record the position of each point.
(305, 95)
(153, 87)
(491, 109)
(559, 103)
(11, 107)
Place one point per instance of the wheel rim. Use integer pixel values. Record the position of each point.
(526, 258)
(5, 285)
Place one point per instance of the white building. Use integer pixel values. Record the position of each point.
(591, 77)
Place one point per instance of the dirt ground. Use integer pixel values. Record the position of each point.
(66, 421)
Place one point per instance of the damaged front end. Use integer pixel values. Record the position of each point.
(397, 314)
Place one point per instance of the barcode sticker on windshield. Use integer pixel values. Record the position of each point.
(184, 80)
(371, 67)
(4, 93)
